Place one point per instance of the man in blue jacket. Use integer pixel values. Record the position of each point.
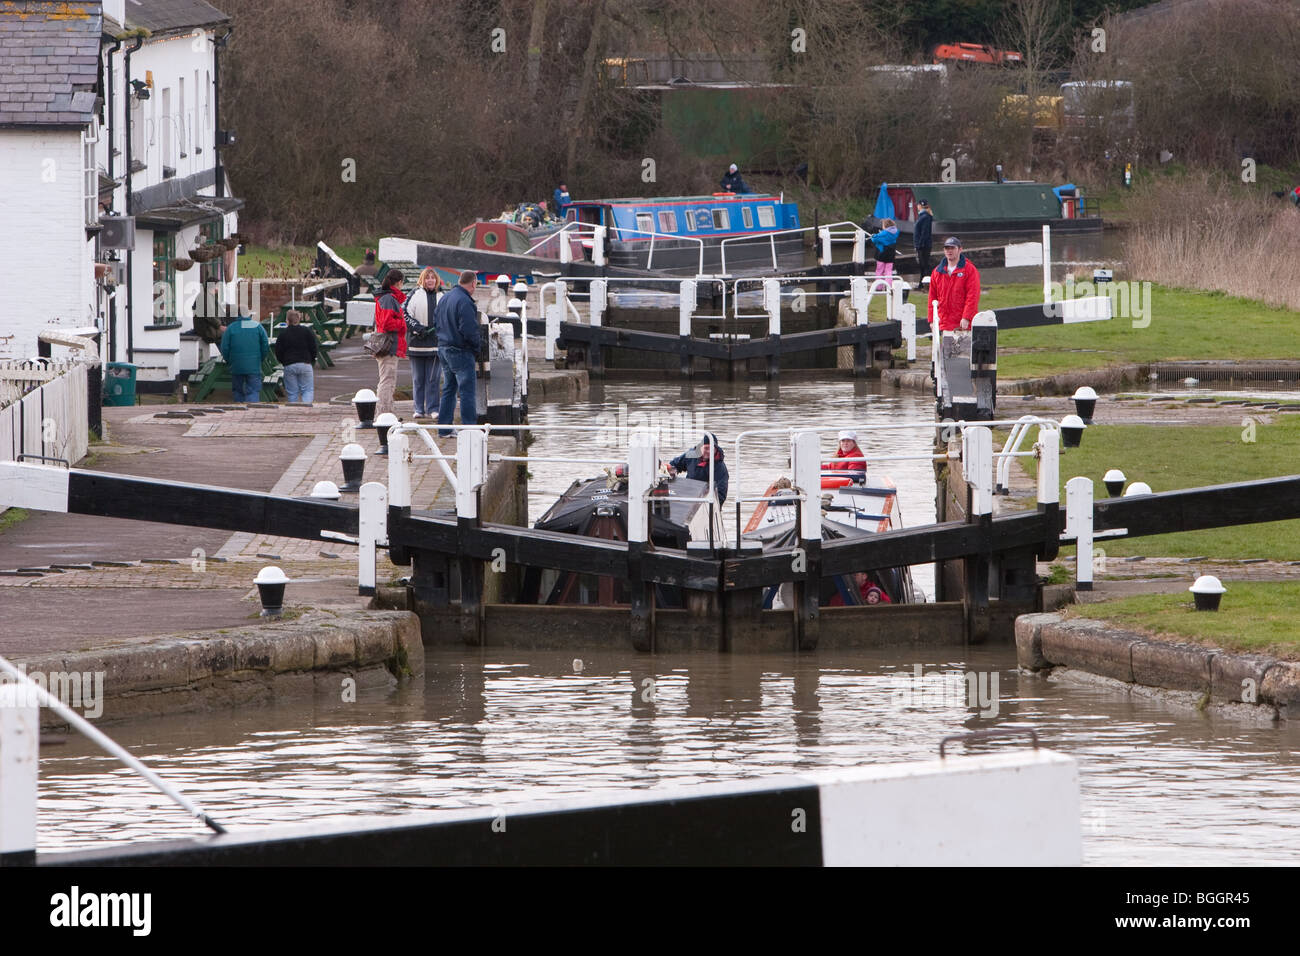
(243, 347)
(695, 463)
(921, 239)
(456, 319)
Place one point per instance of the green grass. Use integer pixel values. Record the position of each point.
(12, 516)
(1184, 324)
(1255, 616)
(1168, 457)
(281, 261)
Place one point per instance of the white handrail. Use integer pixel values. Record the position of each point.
(771, 237)
(108, 744)
(664, 235)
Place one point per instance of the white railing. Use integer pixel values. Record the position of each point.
(825, 232)
(699, 269)
(50, 420)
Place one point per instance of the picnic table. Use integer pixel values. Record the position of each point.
(215, 373)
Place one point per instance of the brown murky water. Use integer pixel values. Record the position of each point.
(1160, 785)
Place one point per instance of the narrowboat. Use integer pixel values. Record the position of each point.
(683, 235)
(598, 508)
(974, 209)
(853, 506)
(528, 231)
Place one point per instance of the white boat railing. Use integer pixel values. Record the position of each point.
(653, 235)
(859, 234)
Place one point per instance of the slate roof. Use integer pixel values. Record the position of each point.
(49, 62)
(164, 16)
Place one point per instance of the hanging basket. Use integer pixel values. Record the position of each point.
(183, 265)
(240, 238)
(230, 242)
(205, 253)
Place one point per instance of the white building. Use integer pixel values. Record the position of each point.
(137, 131)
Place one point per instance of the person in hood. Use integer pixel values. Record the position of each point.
(955, 286)
(847, 451)
(694, 463)
(886, 243)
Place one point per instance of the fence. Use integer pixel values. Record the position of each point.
(43, 410)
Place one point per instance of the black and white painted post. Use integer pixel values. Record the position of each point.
(365, 401)
(353, 460)
(1079, 527)
(806, 464)
(977, 467)
(1114, 480)
(271, 582)
(383, 424)
(772, 306)
(642, 468)
(685, 309)
(471, 472)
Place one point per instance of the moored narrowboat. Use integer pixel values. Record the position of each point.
(674, 235)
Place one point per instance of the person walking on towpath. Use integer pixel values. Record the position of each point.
(456, 318)
(422, 342)
(694, 463)
(955, 286)
(244, 346)
(296, 349)
(390, 318)
(921, 240)
(732, 182)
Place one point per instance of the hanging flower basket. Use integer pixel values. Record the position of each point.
(183, 265)
(230, 242)
(240, 238)
(205, 253)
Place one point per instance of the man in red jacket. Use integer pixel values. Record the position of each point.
(955, 285)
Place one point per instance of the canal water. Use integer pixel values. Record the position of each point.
(489, 729)
(1159, 785)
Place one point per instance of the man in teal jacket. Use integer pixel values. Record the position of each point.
(243, 346)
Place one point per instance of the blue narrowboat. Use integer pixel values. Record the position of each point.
(672, 234)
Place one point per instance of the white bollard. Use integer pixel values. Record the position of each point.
(399, 469)
(806, 462)
(598, 246)
(1049, 466)
(372, 530)
(1078, 525)
(642, 463)
(825, 233)
(599, 301)
(20, 734)
(977, 465)
(471, 470)
(685, 306)
(772, 305)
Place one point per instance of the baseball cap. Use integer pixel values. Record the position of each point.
(952, 241)
(732, 168)
(848, 435)
(923, 202)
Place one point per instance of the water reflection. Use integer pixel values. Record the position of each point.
(1159, 785)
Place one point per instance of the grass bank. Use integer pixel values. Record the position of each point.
(1184, 324)
(293, 262)
(1169, 457)
(1255, 617)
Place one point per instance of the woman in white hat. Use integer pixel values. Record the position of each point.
(845, 454)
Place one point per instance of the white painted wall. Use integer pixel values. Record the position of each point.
(46, 262)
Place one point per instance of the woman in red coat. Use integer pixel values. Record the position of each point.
(389, 318)
(844, 455)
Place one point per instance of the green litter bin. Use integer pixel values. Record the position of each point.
(119, 383)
